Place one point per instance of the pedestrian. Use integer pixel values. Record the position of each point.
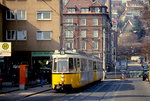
(41, 81)
(145, 75)
(123, 76)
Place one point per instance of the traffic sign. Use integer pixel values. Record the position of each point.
(5, 48)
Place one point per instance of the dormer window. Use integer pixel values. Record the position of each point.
(84, 10)
(96, 9)
(103, 10)
(71, 10)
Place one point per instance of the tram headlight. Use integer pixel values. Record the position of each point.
(62, 76)
(62, 79)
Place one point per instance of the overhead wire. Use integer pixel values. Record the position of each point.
(50, 7)
(74, 36)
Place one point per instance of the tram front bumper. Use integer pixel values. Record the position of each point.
(63, 86)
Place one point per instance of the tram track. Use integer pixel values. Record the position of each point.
(85, 94)
(97, 89)
(101, 90)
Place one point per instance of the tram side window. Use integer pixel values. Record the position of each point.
(94, 65)
(55, 65)
(83, 64)
(75, 63)
(71, 68)
(78, 64)
(99, 65)
(90, 65)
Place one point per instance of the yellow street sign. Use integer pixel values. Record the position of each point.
(5, 48)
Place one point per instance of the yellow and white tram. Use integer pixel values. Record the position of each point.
(73, 69)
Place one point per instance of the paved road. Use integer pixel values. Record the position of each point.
(108, 90)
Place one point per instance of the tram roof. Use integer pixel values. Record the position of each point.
(74, 52)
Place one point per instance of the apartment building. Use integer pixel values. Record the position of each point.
(86, 26)
(3, 8)
(133, 10)
(33, 27)
(2, 16)
(117, 9)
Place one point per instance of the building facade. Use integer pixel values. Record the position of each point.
(2, 23)
(86, 27)
(33, 28)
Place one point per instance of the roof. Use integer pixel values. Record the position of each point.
(129, 22)
(96, 3)
(140, 3)
(135, 8)
(79, 4)
(131, 9)
(75, 52)
(117, 2)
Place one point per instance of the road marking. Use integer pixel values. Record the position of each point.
(77, 94)
(71, 97)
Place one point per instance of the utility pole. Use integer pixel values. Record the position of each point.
(104, 54)
(115, 60)
(61, 25)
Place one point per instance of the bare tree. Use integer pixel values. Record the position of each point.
(128, 45)
(145, 48)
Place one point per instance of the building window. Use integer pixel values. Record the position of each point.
(10, 15)
(96, 9)
(103, 10)
(95, 33)
(21, 35)
(83, 21)
(95, 21)
(71, 10)
(43, 35)
(69, 21)
(83, 33)
(43, 15)
(95, 45)
(21, 15)
(83, 45)
(10, 35)
(84, 10)
(69, 45)
(69, 34)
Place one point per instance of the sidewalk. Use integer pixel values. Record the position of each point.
(13, 94)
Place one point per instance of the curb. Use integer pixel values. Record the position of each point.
(3, 92)
(17, 89)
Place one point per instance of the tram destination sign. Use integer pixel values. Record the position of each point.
(5, 48)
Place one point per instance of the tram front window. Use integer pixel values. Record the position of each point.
(62, 65)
